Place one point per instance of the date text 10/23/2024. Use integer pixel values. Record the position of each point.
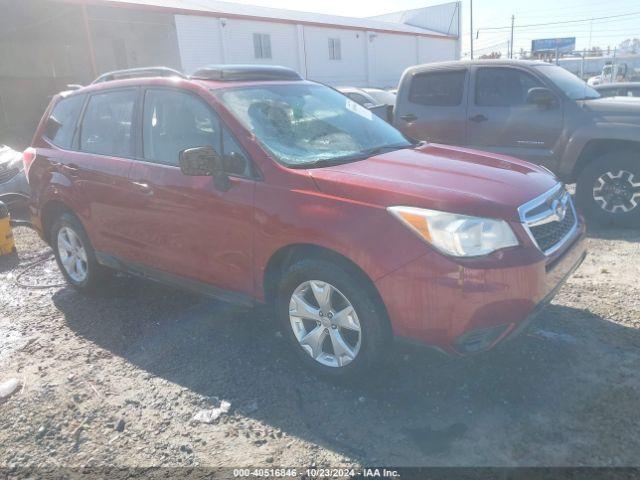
(316, 472)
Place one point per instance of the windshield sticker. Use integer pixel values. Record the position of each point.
(359, 109)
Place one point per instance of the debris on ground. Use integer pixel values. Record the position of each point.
(212, 414)
(8, 388)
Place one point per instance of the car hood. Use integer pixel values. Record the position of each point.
(439, 177)
(615, 109)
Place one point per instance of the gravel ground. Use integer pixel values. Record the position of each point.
(117, 379)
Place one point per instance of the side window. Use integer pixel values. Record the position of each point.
(361, 99)
(174, 121)
(61, 124)
(335, 49)
(439, 89)
(503, 87)
(262, 45)
(107, 124)
(234, 158)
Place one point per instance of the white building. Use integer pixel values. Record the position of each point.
(593, 65)
(331, 49)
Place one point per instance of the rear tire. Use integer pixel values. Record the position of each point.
(346, 336)
(608, 189)
(75, 255)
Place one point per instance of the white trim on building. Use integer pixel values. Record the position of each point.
(326, 48)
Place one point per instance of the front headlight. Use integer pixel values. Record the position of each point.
(457, 235)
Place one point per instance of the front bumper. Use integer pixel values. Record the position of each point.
(465, 308)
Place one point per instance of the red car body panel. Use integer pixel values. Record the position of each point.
(449, 299)
(194, 230)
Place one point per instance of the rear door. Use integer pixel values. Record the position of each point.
(500, 119)
(189, 226)
(59, 131)
(100, 163)
(433, 106)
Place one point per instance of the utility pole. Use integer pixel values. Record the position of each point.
(513, 17)
(471, 18)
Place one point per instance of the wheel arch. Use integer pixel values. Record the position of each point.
(50, 212)
(594, 149)
(290, 254)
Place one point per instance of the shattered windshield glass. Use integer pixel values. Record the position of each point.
(304, 124)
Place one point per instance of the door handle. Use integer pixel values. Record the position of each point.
(143, 187)
(409, 117)
(72, 169)
(478, 118)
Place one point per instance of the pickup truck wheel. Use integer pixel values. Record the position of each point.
(608, 190)
(75, 255)
(332, 320)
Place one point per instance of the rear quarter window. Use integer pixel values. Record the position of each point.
(61, 124)
(439, 89)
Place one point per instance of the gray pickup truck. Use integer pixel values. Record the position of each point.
(538, 112)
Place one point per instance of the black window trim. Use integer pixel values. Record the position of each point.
(134, 122)
(256, 175)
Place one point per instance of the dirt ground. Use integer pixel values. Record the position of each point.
(117, 380)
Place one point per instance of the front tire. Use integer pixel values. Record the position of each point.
(75, 255)
(333, 320)
(608, 189)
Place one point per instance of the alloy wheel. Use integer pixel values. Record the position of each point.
(325, 323)
(73, 255)
(617, 191)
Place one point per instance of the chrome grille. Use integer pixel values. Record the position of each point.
(550, 219)
(547, 235)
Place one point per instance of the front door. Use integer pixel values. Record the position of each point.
(191, 227)
(500, 119)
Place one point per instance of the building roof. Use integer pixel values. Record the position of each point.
(254, 12)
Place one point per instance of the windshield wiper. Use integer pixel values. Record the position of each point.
(361, 155)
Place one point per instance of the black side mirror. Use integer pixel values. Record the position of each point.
(200, 161)
(380, 110)
(205, 161)
(543, 97)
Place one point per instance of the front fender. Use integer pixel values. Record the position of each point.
(598, 131)
(367, 235)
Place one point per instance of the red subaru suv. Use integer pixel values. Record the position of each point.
(253, 185)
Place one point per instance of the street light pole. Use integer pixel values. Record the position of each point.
(513, 17)
(471, 18)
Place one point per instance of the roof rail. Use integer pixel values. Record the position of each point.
(139, 72)
(240, 73)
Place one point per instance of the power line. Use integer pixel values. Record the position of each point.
(550, 27)
(572, 4)
(562, 22)
(566, 6)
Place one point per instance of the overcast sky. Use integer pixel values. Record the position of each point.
(497, 13)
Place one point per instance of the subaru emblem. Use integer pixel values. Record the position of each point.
(559, 209)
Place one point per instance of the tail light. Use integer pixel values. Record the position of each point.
(28, 156)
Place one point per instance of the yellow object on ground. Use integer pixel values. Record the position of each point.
(7, 244)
